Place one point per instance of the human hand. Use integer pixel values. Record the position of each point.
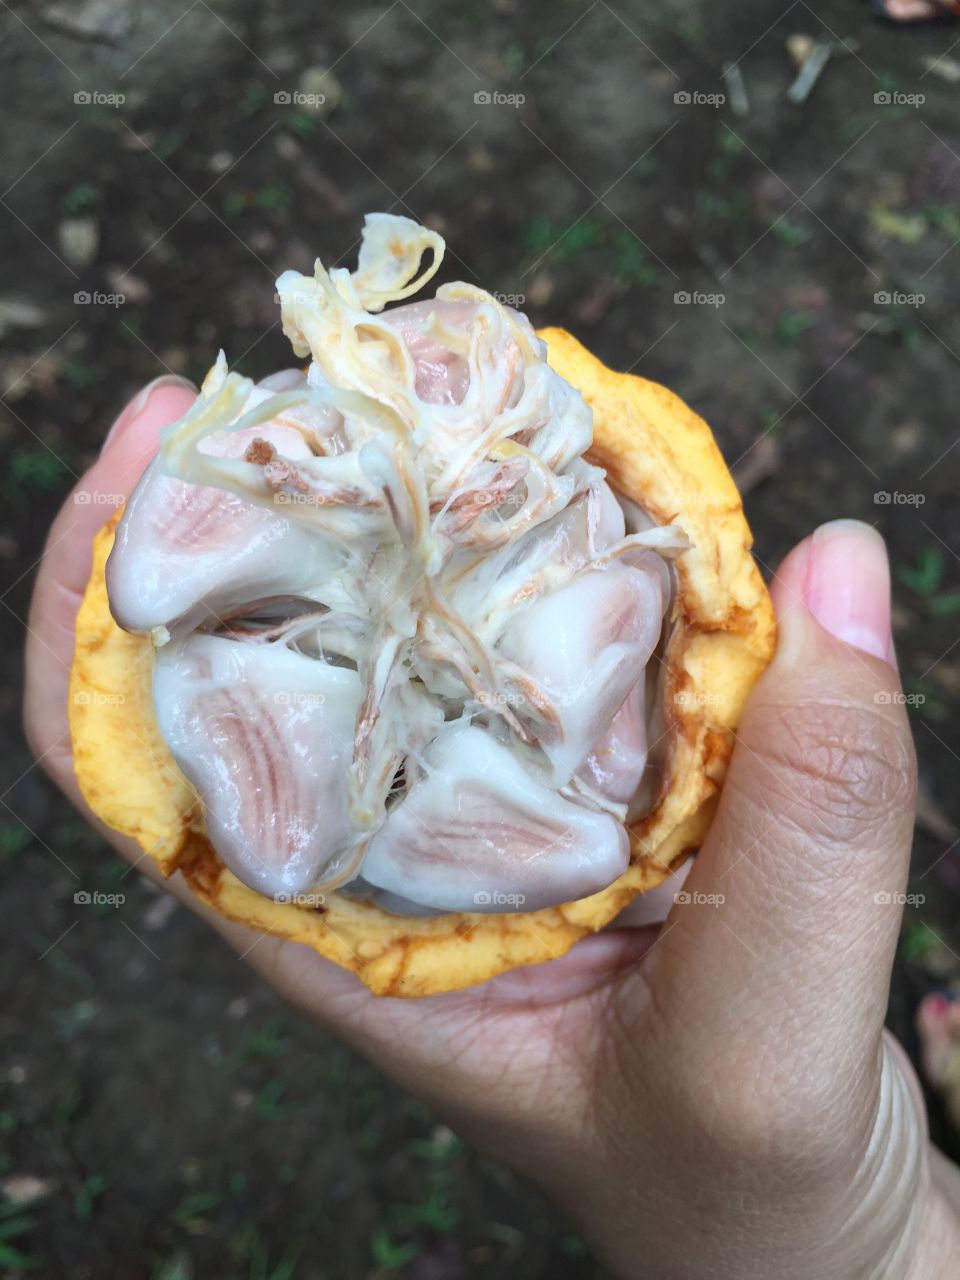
(712, 1096)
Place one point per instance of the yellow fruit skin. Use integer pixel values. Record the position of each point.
(657, 452)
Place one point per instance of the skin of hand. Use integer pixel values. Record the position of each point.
(713, 1096)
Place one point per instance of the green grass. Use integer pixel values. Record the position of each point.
(791, 234)
(38, 469)
(268, 1102)
(15, 1222)
(67, 1106)
(253, 99)
(251, 1247)
(195, 1207)
(86, 1198)
(264, 1044)
(302, 123)
(789, 327)
(81, 198)
(617, 247)
(388, 1253)
(631, 262)
(924, 578)
(14, 840)
(916, 939)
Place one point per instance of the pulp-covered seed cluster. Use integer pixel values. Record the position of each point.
(403, 636)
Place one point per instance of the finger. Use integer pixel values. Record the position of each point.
(65, 567)
(791, 918)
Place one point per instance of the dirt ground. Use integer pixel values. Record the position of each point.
(176, 1121)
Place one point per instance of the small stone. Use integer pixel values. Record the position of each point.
(104, 20)
(540, 290)
(799, 49)
(238, 1008)
(938, 961)
(19, 313)
(943, 67)
(320, 90)
(135, 289)
(23, 1188)
(158, 914)
(480, 160)
(79, 241)
(220, 161)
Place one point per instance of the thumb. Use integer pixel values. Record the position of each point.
(64, 567)
(792, 908)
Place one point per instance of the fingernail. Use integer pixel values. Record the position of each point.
(847, 586)
(139, 403)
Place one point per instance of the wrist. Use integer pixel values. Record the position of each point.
(937, 1240)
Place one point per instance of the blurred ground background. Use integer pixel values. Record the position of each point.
(162, 1117)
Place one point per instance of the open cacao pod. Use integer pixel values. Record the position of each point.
(397, 678)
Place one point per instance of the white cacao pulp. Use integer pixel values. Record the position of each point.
(402, 633)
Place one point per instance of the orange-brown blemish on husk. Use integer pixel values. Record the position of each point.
(657, 452)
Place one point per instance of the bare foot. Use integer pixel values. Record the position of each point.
(938, 1026)
(913, 10)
